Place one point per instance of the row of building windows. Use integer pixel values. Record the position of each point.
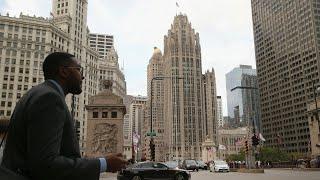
(104, 114)
(62, 4)
(2, 113)
(11, 87)
(29, 30)
(12, 61)
(62, 11)
(23, 37)
(20, 78)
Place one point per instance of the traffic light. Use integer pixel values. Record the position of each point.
(152, 150)
(246, 146)
(255, 140)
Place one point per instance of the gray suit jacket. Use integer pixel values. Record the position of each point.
(41, 141)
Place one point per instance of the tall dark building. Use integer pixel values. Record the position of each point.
(287, 38)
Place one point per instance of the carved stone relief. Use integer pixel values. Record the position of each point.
(105, 138)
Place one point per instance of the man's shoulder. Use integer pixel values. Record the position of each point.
(43, 90)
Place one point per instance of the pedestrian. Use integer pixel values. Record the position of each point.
(41, 141)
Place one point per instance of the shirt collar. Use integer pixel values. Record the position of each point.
(57, 85)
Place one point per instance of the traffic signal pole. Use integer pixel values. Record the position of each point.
(152, 143)
(152, 148)
(250, 149)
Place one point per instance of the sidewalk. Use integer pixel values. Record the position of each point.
(298, 169)
(108, 176)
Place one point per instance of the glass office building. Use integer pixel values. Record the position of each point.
(241, 85)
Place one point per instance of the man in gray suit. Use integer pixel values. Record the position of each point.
(41, 142)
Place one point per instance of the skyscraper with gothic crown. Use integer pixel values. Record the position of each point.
(181, 94)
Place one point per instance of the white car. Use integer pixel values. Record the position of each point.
(219, 166)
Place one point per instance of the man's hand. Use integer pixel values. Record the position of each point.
(115, 162)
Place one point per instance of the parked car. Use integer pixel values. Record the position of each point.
(219, 166)
(315, 163)
(202, 165)
(190, 164)
(301, 163)
(152, 170)
(172, 164)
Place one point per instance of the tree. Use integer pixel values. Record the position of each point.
(296, 155)
(273, 155)
(236, 157)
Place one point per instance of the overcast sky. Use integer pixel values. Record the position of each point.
(225, 28)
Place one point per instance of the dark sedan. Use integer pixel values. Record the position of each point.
(152, 170)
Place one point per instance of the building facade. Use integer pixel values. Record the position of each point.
(108, 63)
(251, 102)
(220, 119)
(136, 117)
(235, 94)
(156, 69)
(109, 69)
(314, 127)
(286, 38)
(209, 106)
(127, 142)
(102, 43)
(25, 42)
(133, 131)
(183, 87)
(232, 140)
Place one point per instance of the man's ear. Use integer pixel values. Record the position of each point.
(63, 72)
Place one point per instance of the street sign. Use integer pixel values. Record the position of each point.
(151, 134)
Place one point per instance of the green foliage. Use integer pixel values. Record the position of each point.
(296, 155)
(236, 157)
(273, 155)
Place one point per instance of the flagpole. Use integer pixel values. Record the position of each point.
(177, 6)
(176, 9)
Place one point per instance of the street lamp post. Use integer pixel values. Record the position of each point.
(152, 144)
(249, 158)
(315, 100)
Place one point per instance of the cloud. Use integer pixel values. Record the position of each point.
(29, 7)
(225, 29)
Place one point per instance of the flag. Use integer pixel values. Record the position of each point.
(222, 147)
(261, 137)
(279, 139)
(135, 138)
(239, 142)
(135, 148)
(177, 4)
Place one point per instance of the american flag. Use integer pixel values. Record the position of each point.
(239, 142)
(279, 138)
(135, 138)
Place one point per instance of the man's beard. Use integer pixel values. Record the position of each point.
(75, 89)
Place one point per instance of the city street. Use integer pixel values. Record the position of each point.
(268, 175)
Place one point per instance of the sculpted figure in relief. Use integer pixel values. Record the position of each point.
(105, 138)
